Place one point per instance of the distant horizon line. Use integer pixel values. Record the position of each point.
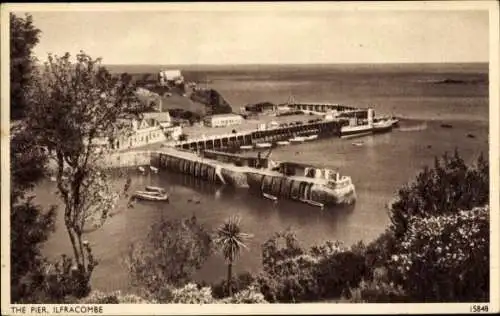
(298, 64)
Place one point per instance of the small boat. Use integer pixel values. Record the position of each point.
(141, 169)
(297, 139)
(446, 126)
(246, 147)
(283, 143)
(263, 145)
(269, 196)
(311, 137)
(471, 136)
(359, 144)
(151, 196)
(150, 188)
(153, 169)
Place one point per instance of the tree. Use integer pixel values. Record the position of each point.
(445, 258)
(171, 253)
(30, 224)
(23, 38)
(437, 233)
(74, 108)
(294, 274)
(450, 186)
(230, 240)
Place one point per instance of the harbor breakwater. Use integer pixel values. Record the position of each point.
(218, 172)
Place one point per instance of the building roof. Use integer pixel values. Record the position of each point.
(225, 115)
(158, 116)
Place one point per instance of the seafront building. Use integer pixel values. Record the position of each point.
(152, 128)
(222, 120)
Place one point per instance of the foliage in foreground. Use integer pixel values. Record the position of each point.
(31, 225)
(293, 274)
(445, 258)
(437, 247)
(190, 293)
(76, 106)
(23, 38)
(230, 240)
(171, 253)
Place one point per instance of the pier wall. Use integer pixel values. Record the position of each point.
(322, 129)
(213, 171)
(195, 168)
(127, 159)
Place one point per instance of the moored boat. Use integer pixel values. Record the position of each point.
(270, 197)
(151, 196)
(355, 130)
(311, 137)
(297, 139)
(153, 169)
(263, 145)
(246, 147)
(282, 143)
(150, 188)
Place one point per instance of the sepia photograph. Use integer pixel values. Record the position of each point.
(196, 157)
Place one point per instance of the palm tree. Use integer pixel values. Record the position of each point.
(230, 240)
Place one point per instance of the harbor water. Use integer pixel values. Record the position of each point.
(378, 165)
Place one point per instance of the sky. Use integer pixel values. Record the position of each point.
(266, 36)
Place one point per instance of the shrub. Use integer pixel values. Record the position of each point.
(445, 258)
(192, 294)
(250, 295)
(239, 282)
(98, 297)
(293, 275)
(375, 291)
(172, 252)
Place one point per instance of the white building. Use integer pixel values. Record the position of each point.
(171, 76)
(222, 120)
(139, 132)
(163, 118)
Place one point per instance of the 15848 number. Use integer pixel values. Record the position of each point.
(479, 308)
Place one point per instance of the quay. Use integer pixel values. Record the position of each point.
(322, 129)
(305, 184)
(206, 157)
